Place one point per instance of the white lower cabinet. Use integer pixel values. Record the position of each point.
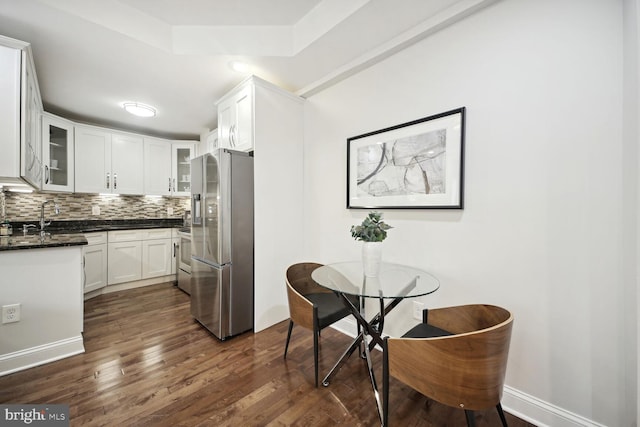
(95, 261)
(95, 270)
(125, 256)
(125, 262)
(139, 254)
(157, 253)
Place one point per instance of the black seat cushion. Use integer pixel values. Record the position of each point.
(331, 308)
(424, 330)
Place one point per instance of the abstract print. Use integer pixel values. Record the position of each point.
(405, 166)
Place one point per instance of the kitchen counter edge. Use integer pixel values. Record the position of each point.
(70, 232)
(19, 242)
(92, 226)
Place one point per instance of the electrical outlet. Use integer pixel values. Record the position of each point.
(11, 313)
(169, 211)
(95, 210)
(417, 310)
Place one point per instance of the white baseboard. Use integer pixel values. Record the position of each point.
(35, 356)
(515, 402)
(541, 413)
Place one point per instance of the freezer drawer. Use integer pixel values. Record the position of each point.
(223, 309)
(210, 297)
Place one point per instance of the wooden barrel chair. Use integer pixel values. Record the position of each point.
(310, 305)
(457, 356)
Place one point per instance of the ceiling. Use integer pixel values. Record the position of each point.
(93, 55)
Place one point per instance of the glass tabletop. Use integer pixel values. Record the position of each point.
(393, 280)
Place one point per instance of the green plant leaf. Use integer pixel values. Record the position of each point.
(372, 229)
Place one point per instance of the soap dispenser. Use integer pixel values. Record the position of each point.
(5, 229)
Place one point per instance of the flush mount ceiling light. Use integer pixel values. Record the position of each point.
(139, 109)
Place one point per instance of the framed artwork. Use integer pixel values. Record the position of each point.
(414, 165)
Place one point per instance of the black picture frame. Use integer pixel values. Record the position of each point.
(413, 165)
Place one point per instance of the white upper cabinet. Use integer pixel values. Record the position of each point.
(127, 156)
(181, 155)
(208, 142)
(57, 154)
(108, 162)
(10, 112)
(31, 145)
(224, 124)
(167, 167)
(157, 167)
(235, 118)
(92, 160)
(20, 109)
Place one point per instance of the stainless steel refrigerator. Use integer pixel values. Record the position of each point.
(222, 242)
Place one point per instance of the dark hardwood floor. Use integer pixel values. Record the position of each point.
(147, 363)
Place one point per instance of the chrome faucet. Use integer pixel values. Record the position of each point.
(43, 222)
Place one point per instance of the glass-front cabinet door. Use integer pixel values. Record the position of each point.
(182, 153)
(57, 162)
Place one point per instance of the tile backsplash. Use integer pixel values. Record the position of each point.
(26, 206)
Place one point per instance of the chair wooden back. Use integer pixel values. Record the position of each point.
(299, 284)
(465, 370)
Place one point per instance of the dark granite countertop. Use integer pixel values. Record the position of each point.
(88, 226)
(33, 241)
(69, 233)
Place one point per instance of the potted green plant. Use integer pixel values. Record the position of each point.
(371, 232)
(372, 229)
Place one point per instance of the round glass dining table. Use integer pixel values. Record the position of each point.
(392, 281)
(392, 284)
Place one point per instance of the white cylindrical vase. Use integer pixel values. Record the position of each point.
(371, 258)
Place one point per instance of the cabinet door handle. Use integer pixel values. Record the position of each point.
(232, 136)
(115, 181)
(169, 185)
(108, 180)
(46, 174)
(174, 250)
(33, 157)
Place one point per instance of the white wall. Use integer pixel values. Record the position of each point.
(631, 134)
(546, 201)
(51, 311)
(278, 193)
